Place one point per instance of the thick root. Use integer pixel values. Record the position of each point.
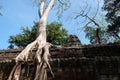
(41, 72)
(15, 73)
(41, 57)
(23, 56)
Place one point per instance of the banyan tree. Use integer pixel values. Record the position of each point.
(40, 57)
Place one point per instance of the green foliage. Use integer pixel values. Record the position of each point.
(22, 39)
(117, 40)
(112, 7)
(91, 35)
(55, 35)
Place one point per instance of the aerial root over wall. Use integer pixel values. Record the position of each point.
(41, 58)
(42, 53)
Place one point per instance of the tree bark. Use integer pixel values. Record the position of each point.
(40, 44)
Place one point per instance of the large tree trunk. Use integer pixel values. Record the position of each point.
(40, 44)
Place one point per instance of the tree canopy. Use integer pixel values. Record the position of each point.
(112, 7)
(55, 35)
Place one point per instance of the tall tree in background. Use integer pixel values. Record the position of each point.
(96, 34)
(90, 19)
(55, 35)
(112, 7)
(90, 33)
(40, 43)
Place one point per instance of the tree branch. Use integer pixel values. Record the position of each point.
(91, 20)
(46, 12)
(41, 8)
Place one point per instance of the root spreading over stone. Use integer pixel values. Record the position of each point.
(41, 58)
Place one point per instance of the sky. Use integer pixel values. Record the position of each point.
(22, 13)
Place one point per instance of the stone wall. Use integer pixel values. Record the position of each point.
(86, 62)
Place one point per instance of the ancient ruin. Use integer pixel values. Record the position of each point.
(83, 62)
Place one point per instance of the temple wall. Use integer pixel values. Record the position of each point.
(88, 62)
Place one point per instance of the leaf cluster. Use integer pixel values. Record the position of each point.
(24, 38)
(91, 35)
(55, 35)
(112, 7)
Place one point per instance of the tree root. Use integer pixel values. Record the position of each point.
(41, 57)
(14, 70)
